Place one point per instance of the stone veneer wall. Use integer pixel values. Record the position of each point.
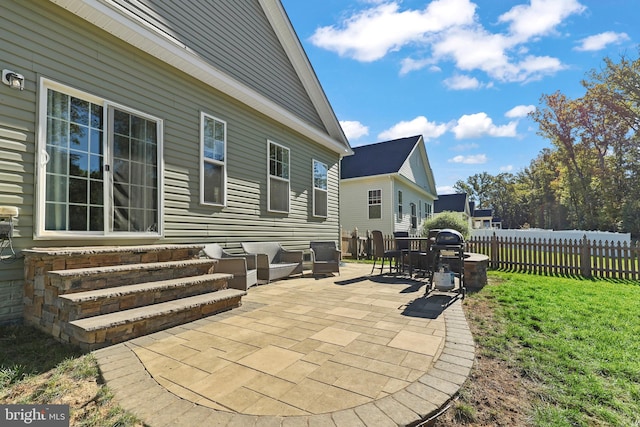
(40, 297)
(475, 270)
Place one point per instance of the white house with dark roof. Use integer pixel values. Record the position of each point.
(387, 186)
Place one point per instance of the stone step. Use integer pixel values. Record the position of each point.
(93, 278)
(108, 329)
(80, 305)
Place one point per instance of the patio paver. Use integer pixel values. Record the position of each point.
(347, 350)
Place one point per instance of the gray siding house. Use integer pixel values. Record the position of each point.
(155, 121)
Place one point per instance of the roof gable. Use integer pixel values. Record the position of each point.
(381, 158)
(147, 28)
(452, 202)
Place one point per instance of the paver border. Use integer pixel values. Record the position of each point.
(138, 392)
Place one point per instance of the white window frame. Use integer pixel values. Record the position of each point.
(203, 159)
(428, 210)
(369, 200)
(317, 189)
(287, 180)
(413, 215)
(400, 214)
(42, 158)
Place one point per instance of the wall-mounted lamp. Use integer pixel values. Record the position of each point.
(13, 79)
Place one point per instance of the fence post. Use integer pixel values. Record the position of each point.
(494, 251)
(585, 257)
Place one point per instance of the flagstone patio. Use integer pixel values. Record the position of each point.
(345, 350)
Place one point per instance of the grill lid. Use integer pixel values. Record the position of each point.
(449, 237)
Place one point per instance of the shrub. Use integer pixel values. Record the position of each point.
(448, 219)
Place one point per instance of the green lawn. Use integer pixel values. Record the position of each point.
(578, 339)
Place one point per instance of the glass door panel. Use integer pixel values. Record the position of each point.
(135, 181)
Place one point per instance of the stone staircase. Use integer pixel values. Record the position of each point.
(97, 296)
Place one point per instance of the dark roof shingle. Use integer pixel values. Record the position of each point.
(378, 159)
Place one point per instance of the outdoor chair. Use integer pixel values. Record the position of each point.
(274, 261)
(404, 247)
(243, 267)
(325, 257)
(379, 252)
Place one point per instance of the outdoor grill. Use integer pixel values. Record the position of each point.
(447, 272)
(448, 237)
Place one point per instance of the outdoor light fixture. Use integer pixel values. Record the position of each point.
(13, 79)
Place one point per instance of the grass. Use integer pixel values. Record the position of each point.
(578, 339)
(36, 369)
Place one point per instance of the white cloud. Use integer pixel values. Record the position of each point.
(520, 111)
(460, 82)
(600, 41)
(539, 18)
(372, 33)
(354, 129)
(418, 126)
(507, 168)
(465, 147)
(449, 30)
(445, 189)
(476, 159)
(479, 124)
(408, 65)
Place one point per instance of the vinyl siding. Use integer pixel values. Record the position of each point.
(57, 45)
(354, 204)
(237, 38)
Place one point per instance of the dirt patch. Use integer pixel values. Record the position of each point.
(496, 393)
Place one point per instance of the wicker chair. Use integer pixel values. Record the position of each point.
(325, 257)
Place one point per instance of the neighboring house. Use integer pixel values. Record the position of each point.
(155, 121)
(458, 202)
(483, 218)
(387, 186)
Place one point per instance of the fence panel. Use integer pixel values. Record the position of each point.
(548, 256)
(566, 257)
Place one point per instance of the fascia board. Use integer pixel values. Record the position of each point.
(292, 46)
(110, 17)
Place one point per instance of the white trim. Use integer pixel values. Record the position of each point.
(281, 24)
(313, 188)
(369, 203)
(41, 158)
(110, 17)
(269, 176)
(203, 159)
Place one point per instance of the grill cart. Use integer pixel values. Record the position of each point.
(447, 254)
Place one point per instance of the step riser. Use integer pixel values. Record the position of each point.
(72, 310)
(104, 318)
(89, 282)
(91, 340)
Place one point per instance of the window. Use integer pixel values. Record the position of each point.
(414, 216)
(375, 204)
(99, 170)
(213, 152)
(278, 188)
(428, 210)
(320, 171)
(399, 205)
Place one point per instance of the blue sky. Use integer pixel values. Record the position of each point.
(462, 73)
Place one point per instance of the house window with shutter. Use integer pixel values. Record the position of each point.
(399, 206)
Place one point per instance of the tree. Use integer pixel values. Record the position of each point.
(447, 219)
